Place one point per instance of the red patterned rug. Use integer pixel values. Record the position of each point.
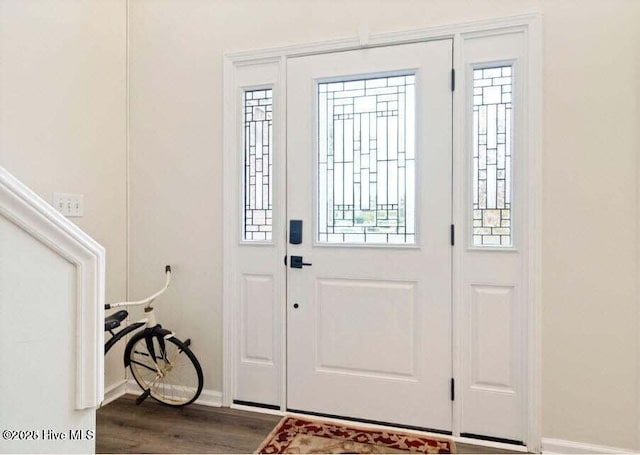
(295, 435)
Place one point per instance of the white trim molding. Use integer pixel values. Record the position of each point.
(382, 39)
(207, 397)
(229, 260)
(114, 391)
(210, 398)
(31, 213)
(550, 445)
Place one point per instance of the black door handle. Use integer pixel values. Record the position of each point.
(297, 262)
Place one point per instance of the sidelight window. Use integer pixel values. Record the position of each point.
(258, 165)
(492, 156)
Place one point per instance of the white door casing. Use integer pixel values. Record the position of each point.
(476, 44)
(369, 326)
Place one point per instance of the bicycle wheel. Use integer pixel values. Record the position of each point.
(175, 378)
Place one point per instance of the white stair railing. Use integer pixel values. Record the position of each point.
(31, 213)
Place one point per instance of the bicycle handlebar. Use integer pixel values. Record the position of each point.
(148, 300)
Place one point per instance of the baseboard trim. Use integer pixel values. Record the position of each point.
(207, 397)
(113, 392)
(210, 398)
(132, 387)
(550, 445)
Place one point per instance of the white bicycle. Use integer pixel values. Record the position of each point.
(162, 365)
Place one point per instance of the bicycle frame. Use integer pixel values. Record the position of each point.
(149, 322)
(122, 333)
(155, 349)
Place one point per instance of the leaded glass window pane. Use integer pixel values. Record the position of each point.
(492, 159)
(366, 161)
(258, 157)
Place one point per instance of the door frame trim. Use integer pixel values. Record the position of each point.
(529, 24)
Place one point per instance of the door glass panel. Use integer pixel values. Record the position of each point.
(258, 154)
(492, 147)
(366, 161)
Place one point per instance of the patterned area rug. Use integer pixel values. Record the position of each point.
(296, 435)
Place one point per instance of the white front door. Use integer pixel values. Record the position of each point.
(369, 175)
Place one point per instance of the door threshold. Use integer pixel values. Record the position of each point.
(482, 441)
(256, 407)
(254, 404)
(492, 439)
(369, 422)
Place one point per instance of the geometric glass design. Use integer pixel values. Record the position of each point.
(492, 156)
(366, 161)
(258, 154)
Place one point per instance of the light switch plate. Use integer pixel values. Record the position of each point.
(71, 205)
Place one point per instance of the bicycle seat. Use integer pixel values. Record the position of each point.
(114, 320)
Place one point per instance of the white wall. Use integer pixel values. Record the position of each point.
(590, 277)
(63, 116)
(37, 323)
(590, 267)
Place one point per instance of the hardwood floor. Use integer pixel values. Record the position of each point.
(123, 427)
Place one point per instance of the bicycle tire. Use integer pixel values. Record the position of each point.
(176, 365)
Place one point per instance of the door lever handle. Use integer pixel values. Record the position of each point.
(297, 262)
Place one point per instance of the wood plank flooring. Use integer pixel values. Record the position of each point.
(123, 427)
